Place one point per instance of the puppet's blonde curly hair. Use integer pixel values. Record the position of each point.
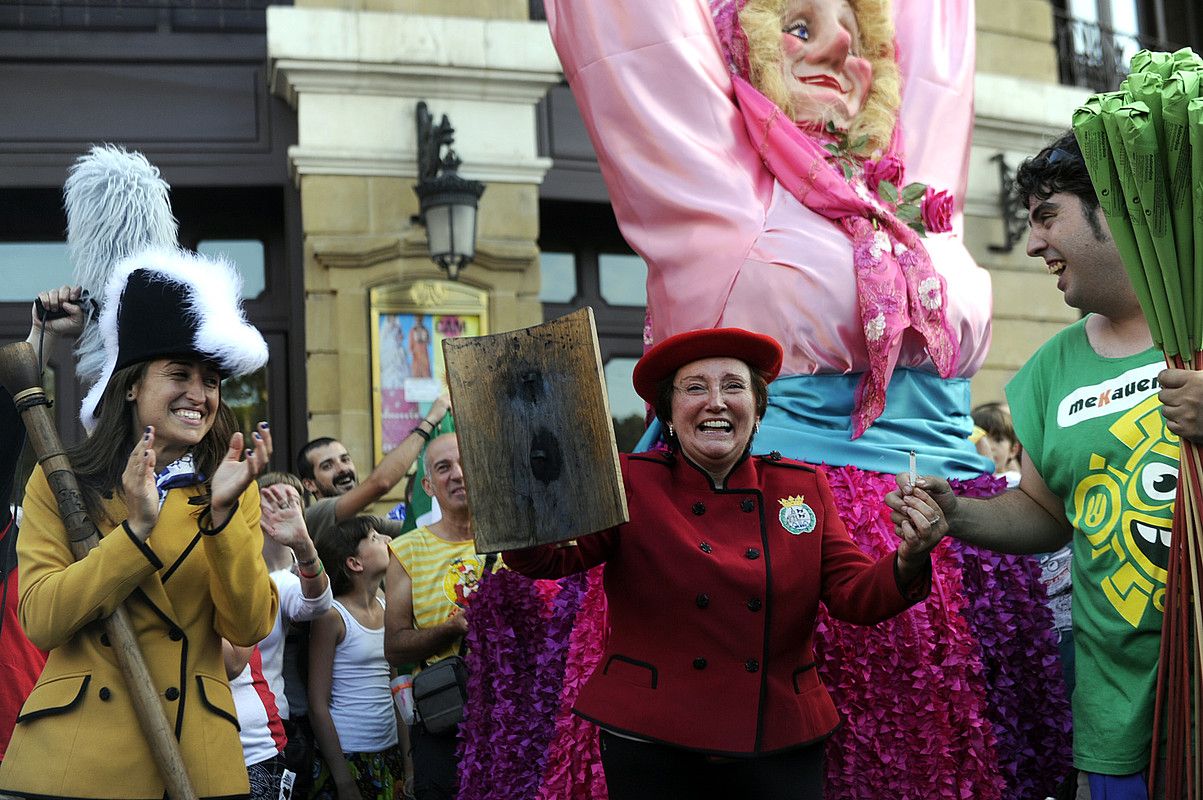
(762, 21)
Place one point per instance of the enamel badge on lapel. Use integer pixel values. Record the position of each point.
(796, 517)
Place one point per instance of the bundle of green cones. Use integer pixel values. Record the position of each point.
(1143, 147)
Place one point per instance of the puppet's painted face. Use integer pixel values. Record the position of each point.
(824, 74)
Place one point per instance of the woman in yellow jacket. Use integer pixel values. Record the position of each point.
(171, 486)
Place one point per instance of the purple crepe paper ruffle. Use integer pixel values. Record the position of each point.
(518, 646)
(972, 673)
(574, 770)
(911, 689)
(1008, 613)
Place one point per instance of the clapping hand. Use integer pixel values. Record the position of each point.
(234, 475)
(283, 519)
(138, 486)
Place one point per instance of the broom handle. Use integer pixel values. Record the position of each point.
(20, 375)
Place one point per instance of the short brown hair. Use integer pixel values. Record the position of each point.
(995, 420)
(335, 545)
(274, 478)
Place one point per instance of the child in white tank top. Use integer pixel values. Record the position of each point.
(350, 705)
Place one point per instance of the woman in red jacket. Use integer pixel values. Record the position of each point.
(707, 687)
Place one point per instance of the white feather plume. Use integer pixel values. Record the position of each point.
(117, 205)
(221, 331)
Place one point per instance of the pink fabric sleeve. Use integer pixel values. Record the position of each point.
(935, 41)
(688, 190)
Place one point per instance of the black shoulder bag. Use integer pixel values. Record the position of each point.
(441, 688)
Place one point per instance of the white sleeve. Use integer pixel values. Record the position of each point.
(294, 605)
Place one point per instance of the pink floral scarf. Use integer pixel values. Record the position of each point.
(897, 287)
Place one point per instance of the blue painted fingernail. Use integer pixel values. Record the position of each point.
(250, 453)
(263, 424)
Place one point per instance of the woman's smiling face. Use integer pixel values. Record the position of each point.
(179, 397)
(714, 412)
(827, 79)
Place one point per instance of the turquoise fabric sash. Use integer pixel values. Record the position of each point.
(809, 419)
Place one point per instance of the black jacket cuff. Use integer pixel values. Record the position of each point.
(918, 587)
(207, 517)
(142, 546)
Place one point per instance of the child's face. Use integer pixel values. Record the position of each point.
(372, 553)
(1003, 451)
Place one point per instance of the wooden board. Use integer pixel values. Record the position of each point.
(535, 436)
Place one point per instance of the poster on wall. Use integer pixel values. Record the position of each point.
(412, 375)
(409, 323)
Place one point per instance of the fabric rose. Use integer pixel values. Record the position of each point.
(937, 211)
(887, 168)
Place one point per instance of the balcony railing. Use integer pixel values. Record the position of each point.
(243, 16)
(1094, 56)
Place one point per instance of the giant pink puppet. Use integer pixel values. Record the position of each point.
(710, 126)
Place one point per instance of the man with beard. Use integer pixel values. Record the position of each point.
(328, 473)
(1099, 419)
(430, 581)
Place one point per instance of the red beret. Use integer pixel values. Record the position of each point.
(759, 352)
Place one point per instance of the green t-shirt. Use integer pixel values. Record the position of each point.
(1093, 428)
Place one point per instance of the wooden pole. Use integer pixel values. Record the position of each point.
(19, 374)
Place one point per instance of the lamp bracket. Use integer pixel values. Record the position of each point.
(432, 139)
(1014, 213)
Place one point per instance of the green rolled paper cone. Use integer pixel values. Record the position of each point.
(1148, 173)
(1141, 60)
(1145, 87)
(1176, 94)
(1160, 63)
(1144, 258)
(1091, 133)
(1194, 118)
(1185, 59)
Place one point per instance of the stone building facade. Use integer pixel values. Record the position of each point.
(290, 128)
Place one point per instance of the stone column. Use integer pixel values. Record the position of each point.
(355, 78)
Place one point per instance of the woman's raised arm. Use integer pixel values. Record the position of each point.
(688, 189)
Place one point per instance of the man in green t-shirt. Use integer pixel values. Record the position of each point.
(1099, 419)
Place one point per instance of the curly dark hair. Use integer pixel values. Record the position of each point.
(1059, 168)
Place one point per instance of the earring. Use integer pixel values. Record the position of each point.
(756, 426)
(130, 396)
(671, 433)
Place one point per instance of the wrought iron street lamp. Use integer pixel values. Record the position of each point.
(447, 202)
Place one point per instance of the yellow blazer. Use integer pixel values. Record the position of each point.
(77, 735)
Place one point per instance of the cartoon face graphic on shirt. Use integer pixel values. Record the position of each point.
(462, 579)
(1137, 536)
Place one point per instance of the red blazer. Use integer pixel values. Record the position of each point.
(712, 598)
